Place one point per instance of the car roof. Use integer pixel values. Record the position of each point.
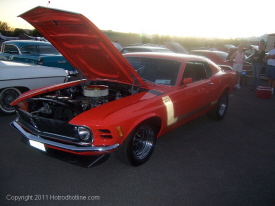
(172, 56)
(184, 58)
(147, 47)
(207, 51)
(21, 43)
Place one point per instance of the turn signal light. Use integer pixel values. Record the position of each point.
(119, 130)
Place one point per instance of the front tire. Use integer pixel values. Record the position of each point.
(7, 96)
(138, 147)
(220, 109)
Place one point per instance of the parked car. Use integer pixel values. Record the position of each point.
(34, 52)
(225, 47)
(222, 58)
(144, 48)
(175, 47)
(16, 78)
(118, 46)
(126, 103)
(6, 38)
(219, 57)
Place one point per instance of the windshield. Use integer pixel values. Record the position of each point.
(157, 71)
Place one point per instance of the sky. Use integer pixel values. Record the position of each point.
(198, 18)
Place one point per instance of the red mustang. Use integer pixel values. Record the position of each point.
(125, 103)
(222, 58)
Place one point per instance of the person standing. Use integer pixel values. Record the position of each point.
(238, 58)
(270, 68)
(257, 60)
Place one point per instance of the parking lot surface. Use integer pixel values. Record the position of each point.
(204, 162)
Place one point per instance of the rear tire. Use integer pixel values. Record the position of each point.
(138, 146)
(7, 96)
(220, 109)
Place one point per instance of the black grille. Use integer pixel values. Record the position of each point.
(48, 125)
(24, 116)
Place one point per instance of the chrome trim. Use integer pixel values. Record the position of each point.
(74, 148)
(33, 129)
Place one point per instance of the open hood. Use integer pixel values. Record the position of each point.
(82, 44)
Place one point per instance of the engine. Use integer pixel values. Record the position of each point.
(67, 103)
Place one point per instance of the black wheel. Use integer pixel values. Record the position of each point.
(138, 147)
(220, 109)
(7, 96)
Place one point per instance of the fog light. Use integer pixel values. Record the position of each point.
(84, 133)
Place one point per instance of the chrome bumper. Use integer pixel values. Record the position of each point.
(73, 148)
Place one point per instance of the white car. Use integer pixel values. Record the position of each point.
(16, 78)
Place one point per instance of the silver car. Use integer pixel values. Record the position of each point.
(16, 78)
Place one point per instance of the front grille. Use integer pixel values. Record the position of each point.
(60, 129)
(53, 126)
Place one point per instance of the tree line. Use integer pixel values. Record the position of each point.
(7, 30)
(192, 42)
(187, 42)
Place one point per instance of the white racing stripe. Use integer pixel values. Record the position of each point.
(170, 110)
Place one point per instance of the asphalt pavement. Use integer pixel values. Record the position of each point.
(204, 162)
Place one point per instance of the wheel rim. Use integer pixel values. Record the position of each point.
(223, 105)
(6, 97)
(143, 141)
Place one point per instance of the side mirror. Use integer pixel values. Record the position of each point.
(187, 81)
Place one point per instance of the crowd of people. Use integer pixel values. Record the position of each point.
(259, 58)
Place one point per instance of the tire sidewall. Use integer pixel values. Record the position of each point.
(3, 91)
(215, 112)
(132, 158)
(218, 115)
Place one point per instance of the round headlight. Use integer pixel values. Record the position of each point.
(84, 133)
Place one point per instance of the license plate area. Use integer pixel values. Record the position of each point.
(37, 145)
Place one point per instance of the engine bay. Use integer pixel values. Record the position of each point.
(65, 104)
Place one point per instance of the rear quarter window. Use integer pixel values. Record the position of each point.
(197, 71)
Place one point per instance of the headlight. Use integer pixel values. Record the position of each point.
(84, 133)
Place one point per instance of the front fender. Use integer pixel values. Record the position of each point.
(125, 113)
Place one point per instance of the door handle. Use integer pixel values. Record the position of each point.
(211, 83)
